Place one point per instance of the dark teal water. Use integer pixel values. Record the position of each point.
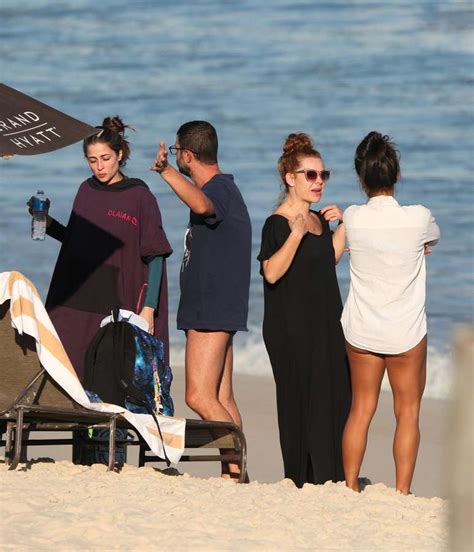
(257, 70)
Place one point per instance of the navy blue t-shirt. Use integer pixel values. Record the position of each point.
(215, 272)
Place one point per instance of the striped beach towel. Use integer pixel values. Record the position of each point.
(29, 316)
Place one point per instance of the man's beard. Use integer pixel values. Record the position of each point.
(183, 168)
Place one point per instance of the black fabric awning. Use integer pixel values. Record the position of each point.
(29, 127)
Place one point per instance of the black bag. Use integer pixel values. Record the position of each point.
(114, 364)
(91, 446)
(109, 363)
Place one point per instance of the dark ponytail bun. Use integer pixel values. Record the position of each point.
(114, 124)
(377, 163)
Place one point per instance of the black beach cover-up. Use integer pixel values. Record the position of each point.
(305, 343)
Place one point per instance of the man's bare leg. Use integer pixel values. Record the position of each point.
(226, 398)
(226, 393)
(205, 356)
(206, 353)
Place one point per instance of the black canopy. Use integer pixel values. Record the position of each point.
(29, 127)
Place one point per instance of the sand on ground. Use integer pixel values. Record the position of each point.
(61, 506)
(51, 503)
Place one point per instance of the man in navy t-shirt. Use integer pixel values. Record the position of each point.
(215, 272)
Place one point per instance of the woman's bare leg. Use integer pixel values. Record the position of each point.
(407, 375)
(367, 370)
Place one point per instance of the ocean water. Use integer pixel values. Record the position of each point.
(257, 70)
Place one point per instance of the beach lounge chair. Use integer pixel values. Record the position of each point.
(203, 435)
(31, 400)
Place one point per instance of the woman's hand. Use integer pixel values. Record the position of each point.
(29, 203)
(332, 213)
(148, 313)
(161, 159)
(298, 225)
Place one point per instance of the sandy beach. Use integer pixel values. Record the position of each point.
(52, 503)
(77, 508)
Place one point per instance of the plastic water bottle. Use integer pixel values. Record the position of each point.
(40, 212)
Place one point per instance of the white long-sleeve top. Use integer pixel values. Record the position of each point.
(385, 308)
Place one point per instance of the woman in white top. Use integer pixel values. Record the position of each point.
(384, 318)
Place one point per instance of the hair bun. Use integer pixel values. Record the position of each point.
(114, 124)
(377, 163)
(296, 142)
(377, 143)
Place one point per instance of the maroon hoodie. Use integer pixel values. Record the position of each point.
(112, 233)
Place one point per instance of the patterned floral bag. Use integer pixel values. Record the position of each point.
(150, 375)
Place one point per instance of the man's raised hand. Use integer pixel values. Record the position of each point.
(161, 159)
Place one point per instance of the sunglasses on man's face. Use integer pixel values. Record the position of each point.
(311, 175)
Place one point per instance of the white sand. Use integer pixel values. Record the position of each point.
(65, 507)
(59, 506)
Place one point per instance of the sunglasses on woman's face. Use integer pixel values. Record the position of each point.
(311, 175)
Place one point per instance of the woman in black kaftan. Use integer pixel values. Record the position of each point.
(301, 327)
